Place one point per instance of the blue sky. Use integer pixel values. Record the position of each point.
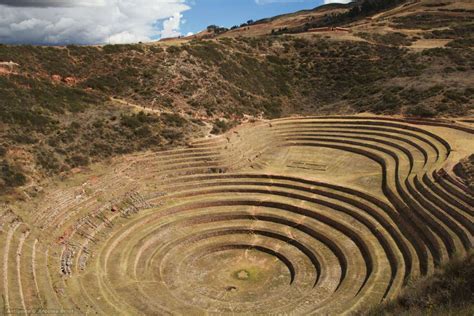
(231, 12)
(60, 22)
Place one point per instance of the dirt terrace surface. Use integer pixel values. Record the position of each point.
(299, 215)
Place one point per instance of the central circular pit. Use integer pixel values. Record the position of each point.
(242, 275)
(239, 277)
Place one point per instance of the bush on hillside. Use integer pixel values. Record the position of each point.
(448, 292)
(421, 111)
(222, 126)
(10, 177)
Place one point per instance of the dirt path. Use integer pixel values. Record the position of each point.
(428, 43)
(141, 107)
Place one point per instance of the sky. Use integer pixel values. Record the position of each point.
(60, 22)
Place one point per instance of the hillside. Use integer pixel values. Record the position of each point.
(447, 292)
(314, 163)
(64, 107)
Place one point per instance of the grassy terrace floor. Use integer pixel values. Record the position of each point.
(298, 215)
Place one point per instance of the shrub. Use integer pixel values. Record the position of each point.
(391, 38)
(172, 135)
(389, 103)
(156, 49)
(208, 52)
(11, 176)
(461, 43)
(447, 292)
(134, 121)
(143, 131)
(272, 108)
(47, 160)
(173, 50)
(77, 160)
(217, 29)
(428, 21)
(172, 119)
(222, 126)
(420, 110)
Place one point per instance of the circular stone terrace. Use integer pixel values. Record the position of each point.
(299, 215)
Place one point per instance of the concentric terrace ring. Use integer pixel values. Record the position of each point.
(299, 215)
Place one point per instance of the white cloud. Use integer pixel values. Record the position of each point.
(171, 26)
(52, 3)
(89, 21)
